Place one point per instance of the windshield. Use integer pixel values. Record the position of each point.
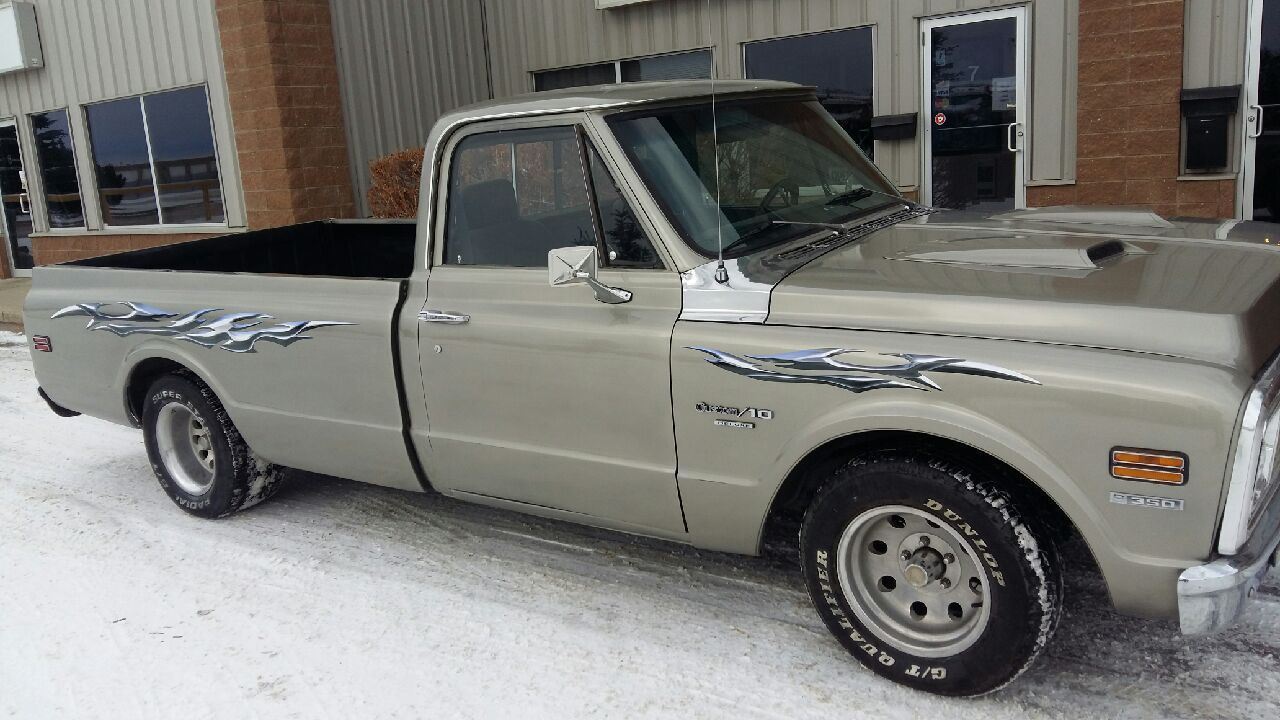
(786, 168)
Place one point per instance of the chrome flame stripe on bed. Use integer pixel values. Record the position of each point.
(237, 332)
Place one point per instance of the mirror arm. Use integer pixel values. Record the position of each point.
(604, 293)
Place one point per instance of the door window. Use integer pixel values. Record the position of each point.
(515, 195)
(15, 207)
(973, 86)
(838, 63)
(56, 155)
(1266, 185)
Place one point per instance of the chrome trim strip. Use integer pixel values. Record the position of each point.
(234, 332)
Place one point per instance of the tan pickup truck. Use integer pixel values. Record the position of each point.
(933, 400)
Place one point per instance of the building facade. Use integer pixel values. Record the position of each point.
(132, 123)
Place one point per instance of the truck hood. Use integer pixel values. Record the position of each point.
(1117, 279)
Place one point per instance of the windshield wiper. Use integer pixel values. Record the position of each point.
(756, 231)
(862, 193)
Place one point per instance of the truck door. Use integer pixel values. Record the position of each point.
(538, 394)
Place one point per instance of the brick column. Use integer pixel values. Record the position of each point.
(1128, 117)
(282, 80)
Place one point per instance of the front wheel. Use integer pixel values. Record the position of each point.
(928, 576)
(196, 452)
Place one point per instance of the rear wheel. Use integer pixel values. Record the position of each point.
(196, 452)
(928, 576)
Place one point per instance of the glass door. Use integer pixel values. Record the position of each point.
(15, 203)
(1260, 177)
(975, 111)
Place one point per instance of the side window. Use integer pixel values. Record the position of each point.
(514, 195)
(625, 243)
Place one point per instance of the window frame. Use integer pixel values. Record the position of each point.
(582, 125)
(75, 164)
(155, 187)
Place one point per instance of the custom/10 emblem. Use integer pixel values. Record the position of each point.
(746, 412)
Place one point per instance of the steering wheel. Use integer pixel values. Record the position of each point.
(789, 190)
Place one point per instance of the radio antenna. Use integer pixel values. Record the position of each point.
(722, 275)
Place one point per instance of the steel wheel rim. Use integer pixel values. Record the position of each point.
(185, 445)
(882, 561)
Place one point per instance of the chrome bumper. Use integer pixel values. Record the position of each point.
(1211, 597)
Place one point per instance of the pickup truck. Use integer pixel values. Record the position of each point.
(698, 312)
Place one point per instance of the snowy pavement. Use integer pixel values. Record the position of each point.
(337, 600)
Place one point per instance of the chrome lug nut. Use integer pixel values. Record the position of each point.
(924, 539)
(948, 558)
(906, 554)
(945, 583)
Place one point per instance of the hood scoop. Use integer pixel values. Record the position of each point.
(1060, 256)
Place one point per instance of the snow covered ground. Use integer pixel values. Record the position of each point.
(337, 600)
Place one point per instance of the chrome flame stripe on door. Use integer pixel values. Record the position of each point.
(907, 375)
(236, 332)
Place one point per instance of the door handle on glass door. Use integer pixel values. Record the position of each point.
(439, 316)
(1256, 130)
(1013, 135)
(24, 204)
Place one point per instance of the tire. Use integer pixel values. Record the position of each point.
(197, 454)
(962, 615)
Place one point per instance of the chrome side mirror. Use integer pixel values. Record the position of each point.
(579, 266)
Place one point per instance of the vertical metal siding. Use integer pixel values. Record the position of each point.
(1214, 42)
(530, 35)
(98, 51)
(402, 64)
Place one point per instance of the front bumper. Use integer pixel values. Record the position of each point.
(1211, 597)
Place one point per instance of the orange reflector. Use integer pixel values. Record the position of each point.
(1131, 458)
(1157, 466)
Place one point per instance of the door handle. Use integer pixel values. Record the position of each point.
(1012, 137)
(440, 316)
(1256, 131)
(24, 204)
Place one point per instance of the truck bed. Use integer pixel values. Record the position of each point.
(332, 248)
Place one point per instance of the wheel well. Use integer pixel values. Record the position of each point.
(801, 486)
(140, 379)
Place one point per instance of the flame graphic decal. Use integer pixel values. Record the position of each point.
(234, 332)
(908, 374)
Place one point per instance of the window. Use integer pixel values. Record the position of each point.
(692, 65)
(625, 242)
(838, 63)
(56, 156)
(784, 168)
(516, 195)
(154, 159)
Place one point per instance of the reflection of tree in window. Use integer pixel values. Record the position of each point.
(56, 157)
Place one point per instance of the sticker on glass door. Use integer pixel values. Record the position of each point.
(974, 84)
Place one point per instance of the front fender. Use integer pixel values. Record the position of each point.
(1057, 432)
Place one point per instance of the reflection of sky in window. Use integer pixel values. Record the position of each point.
(837, 61)
(179, 125)
(115, 129)
(1271, 28)
(975, 52)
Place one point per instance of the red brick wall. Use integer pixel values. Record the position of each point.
(282, 79)
(1128, 118)
(53, 249)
